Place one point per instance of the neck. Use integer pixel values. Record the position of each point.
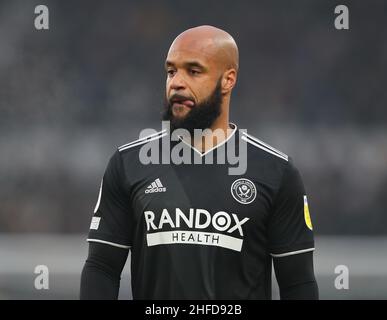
(218, 132)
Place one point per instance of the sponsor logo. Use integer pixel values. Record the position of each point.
(155, 186)
(243, 190)
(218, 229)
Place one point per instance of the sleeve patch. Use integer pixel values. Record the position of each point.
(307, 218)
(95, 223)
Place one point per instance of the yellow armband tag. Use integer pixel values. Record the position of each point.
(307, 218)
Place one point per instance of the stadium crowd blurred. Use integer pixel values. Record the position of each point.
(71, 94)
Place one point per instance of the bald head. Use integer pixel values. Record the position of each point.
(214, 43)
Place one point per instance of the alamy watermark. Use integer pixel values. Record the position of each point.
(234, 155)
(42, 280)
(342, 280)
(342, 18)
(42, 21)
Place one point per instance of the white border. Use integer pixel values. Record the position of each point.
(247, 139)
(264, 144)
(217, 146)
(141, 139)
(99, 197)
(142, 142)
(291, 253)
(109, 243)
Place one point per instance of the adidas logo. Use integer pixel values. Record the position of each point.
(155, 186)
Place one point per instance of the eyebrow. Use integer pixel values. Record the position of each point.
(188, 64)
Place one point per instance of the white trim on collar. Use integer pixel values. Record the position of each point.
(217, 146)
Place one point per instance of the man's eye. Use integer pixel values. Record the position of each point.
(170, 72)
(194, 72)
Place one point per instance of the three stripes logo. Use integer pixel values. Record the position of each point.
(155, 186)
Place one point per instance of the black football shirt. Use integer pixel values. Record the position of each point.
(194, 230)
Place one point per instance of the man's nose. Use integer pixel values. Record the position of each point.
(177, 82)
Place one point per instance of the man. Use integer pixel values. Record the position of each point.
(195, 231)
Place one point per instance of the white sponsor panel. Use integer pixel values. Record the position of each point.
(194, 237)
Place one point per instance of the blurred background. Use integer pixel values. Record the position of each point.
(71, 94)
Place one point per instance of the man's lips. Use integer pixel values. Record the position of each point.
(181, 102)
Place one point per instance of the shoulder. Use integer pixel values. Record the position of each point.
(263, 149)
(268, 162)
(132, 148)
(126, 157)
(274, 167)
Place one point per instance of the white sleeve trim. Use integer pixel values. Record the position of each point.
(109, 243)
(290, 253)
(99, 197)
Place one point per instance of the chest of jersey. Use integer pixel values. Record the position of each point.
(200, 204)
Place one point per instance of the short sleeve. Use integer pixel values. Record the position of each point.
(110, 223)
(290, 228)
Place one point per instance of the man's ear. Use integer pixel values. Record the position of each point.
(229, 80)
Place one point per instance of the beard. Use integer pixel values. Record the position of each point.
(201, 116)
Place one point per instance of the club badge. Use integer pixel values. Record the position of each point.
(244, 191)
